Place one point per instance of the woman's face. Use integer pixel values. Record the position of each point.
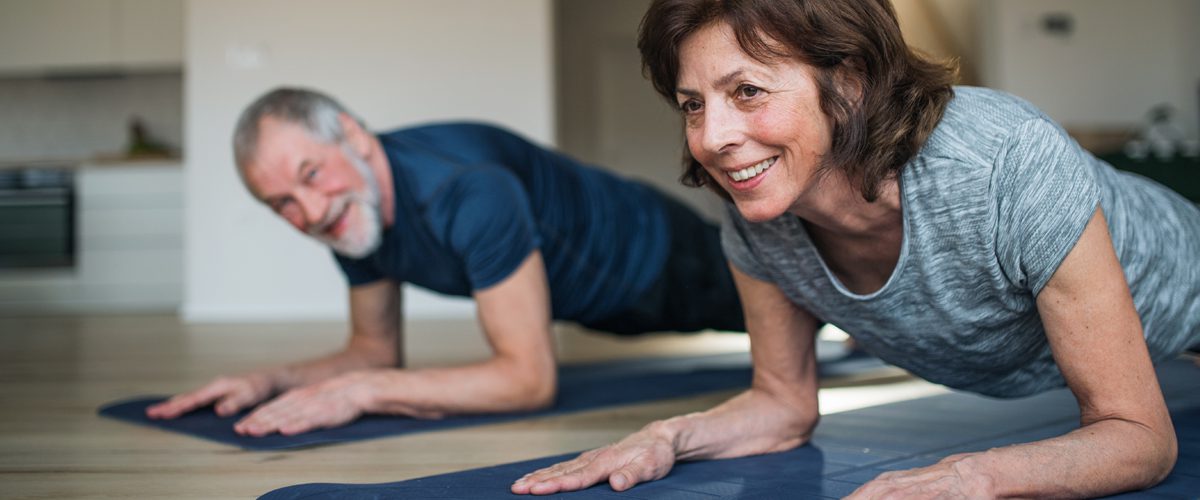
(757, 128)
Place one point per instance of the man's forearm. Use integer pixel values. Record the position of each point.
(495, 385)
(354, 357)
(1103, 458)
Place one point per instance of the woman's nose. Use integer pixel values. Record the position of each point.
(722, 129)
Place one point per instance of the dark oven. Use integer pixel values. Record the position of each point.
(37, 217)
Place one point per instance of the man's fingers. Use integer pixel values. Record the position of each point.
(266, 418)
(295, 412)
(188, 401)
(234, 401)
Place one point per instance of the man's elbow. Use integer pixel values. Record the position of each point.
(535, 390)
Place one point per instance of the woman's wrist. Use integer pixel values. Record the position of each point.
(977, 472)
(672, 431)
(683, 433)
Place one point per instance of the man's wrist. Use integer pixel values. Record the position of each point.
(364, 388)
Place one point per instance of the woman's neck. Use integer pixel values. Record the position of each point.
(836, 206)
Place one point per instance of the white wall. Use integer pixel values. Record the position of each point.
(608, 113)
(1122, 58)
(394, 63)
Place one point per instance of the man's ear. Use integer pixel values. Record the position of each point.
(358, 139)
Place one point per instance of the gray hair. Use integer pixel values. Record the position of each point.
(315, 112)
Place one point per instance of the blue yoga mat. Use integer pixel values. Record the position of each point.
(581, 387)
(848, 450)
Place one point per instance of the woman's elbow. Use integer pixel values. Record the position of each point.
(1157, 459)
(1166, 453)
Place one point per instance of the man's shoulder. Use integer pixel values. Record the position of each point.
(448, 129)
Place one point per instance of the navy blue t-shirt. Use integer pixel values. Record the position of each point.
(473, 201)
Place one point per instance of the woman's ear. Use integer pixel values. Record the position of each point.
(358, 138)
(848, 77)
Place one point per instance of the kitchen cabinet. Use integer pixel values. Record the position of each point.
(148, 33)
(129, 246)
(39, 37)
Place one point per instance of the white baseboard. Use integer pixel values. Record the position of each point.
(418, 304)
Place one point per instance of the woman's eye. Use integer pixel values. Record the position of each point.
(690, 106)
(748, 91)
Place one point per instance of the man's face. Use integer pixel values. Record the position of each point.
(321, 189)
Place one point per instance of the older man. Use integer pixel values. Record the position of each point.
(461, 209)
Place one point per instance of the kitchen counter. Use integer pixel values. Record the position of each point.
(90, 162)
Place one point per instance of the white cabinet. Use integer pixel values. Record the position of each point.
(62, 36)
(148, 33)
(37, 34)
(129, 246)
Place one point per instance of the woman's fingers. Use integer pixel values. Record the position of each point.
(636, 459)
(571, 475)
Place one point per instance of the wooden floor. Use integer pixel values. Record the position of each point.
(55, 372)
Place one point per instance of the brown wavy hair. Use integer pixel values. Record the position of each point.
(899, 95)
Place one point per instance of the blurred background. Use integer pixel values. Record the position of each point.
(117, 187)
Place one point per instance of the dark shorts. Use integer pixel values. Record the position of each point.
(695, 290)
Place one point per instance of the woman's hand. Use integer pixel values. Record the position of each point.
(646, 455)
(777, 413)
(952, 477)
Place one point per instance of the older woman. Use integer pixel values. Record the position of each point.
(955, 232)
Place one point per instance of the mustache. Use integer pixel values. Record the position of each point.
(337, 207)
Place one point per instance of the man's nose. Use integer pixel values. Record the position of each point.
(313, 205)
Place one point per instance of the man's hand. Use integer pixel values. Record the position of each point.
(229, 394)
(644, 456)
(332, 403)
(952, 477)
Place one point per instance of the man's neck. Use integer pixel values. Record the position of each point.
(378, 161)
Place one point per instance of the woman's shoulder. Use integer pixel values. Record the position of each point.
(955, 172)
(977, 123)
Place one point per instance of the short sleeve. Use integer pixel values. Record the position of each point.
(490, 224)
(1046, 193)
(735, 241)
(358, 271)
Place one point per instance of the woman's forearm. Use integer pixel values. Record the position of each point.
(751, 423)
(1105, 457)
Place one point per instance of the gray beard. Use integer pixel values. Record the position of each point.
(365, 234)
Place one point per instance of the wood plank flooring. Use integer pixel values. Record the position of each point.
(55, 372)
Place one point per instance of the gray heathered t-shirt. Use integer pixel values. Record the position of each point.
(992, 204)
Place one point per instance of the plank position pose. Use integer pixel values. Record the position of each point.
(461, 209)
(955, 232)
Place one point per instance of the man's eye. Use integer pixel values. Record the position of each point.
(691, 106)
(311, 174)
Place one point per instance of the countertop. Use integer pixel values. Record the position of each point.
(90, 162)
